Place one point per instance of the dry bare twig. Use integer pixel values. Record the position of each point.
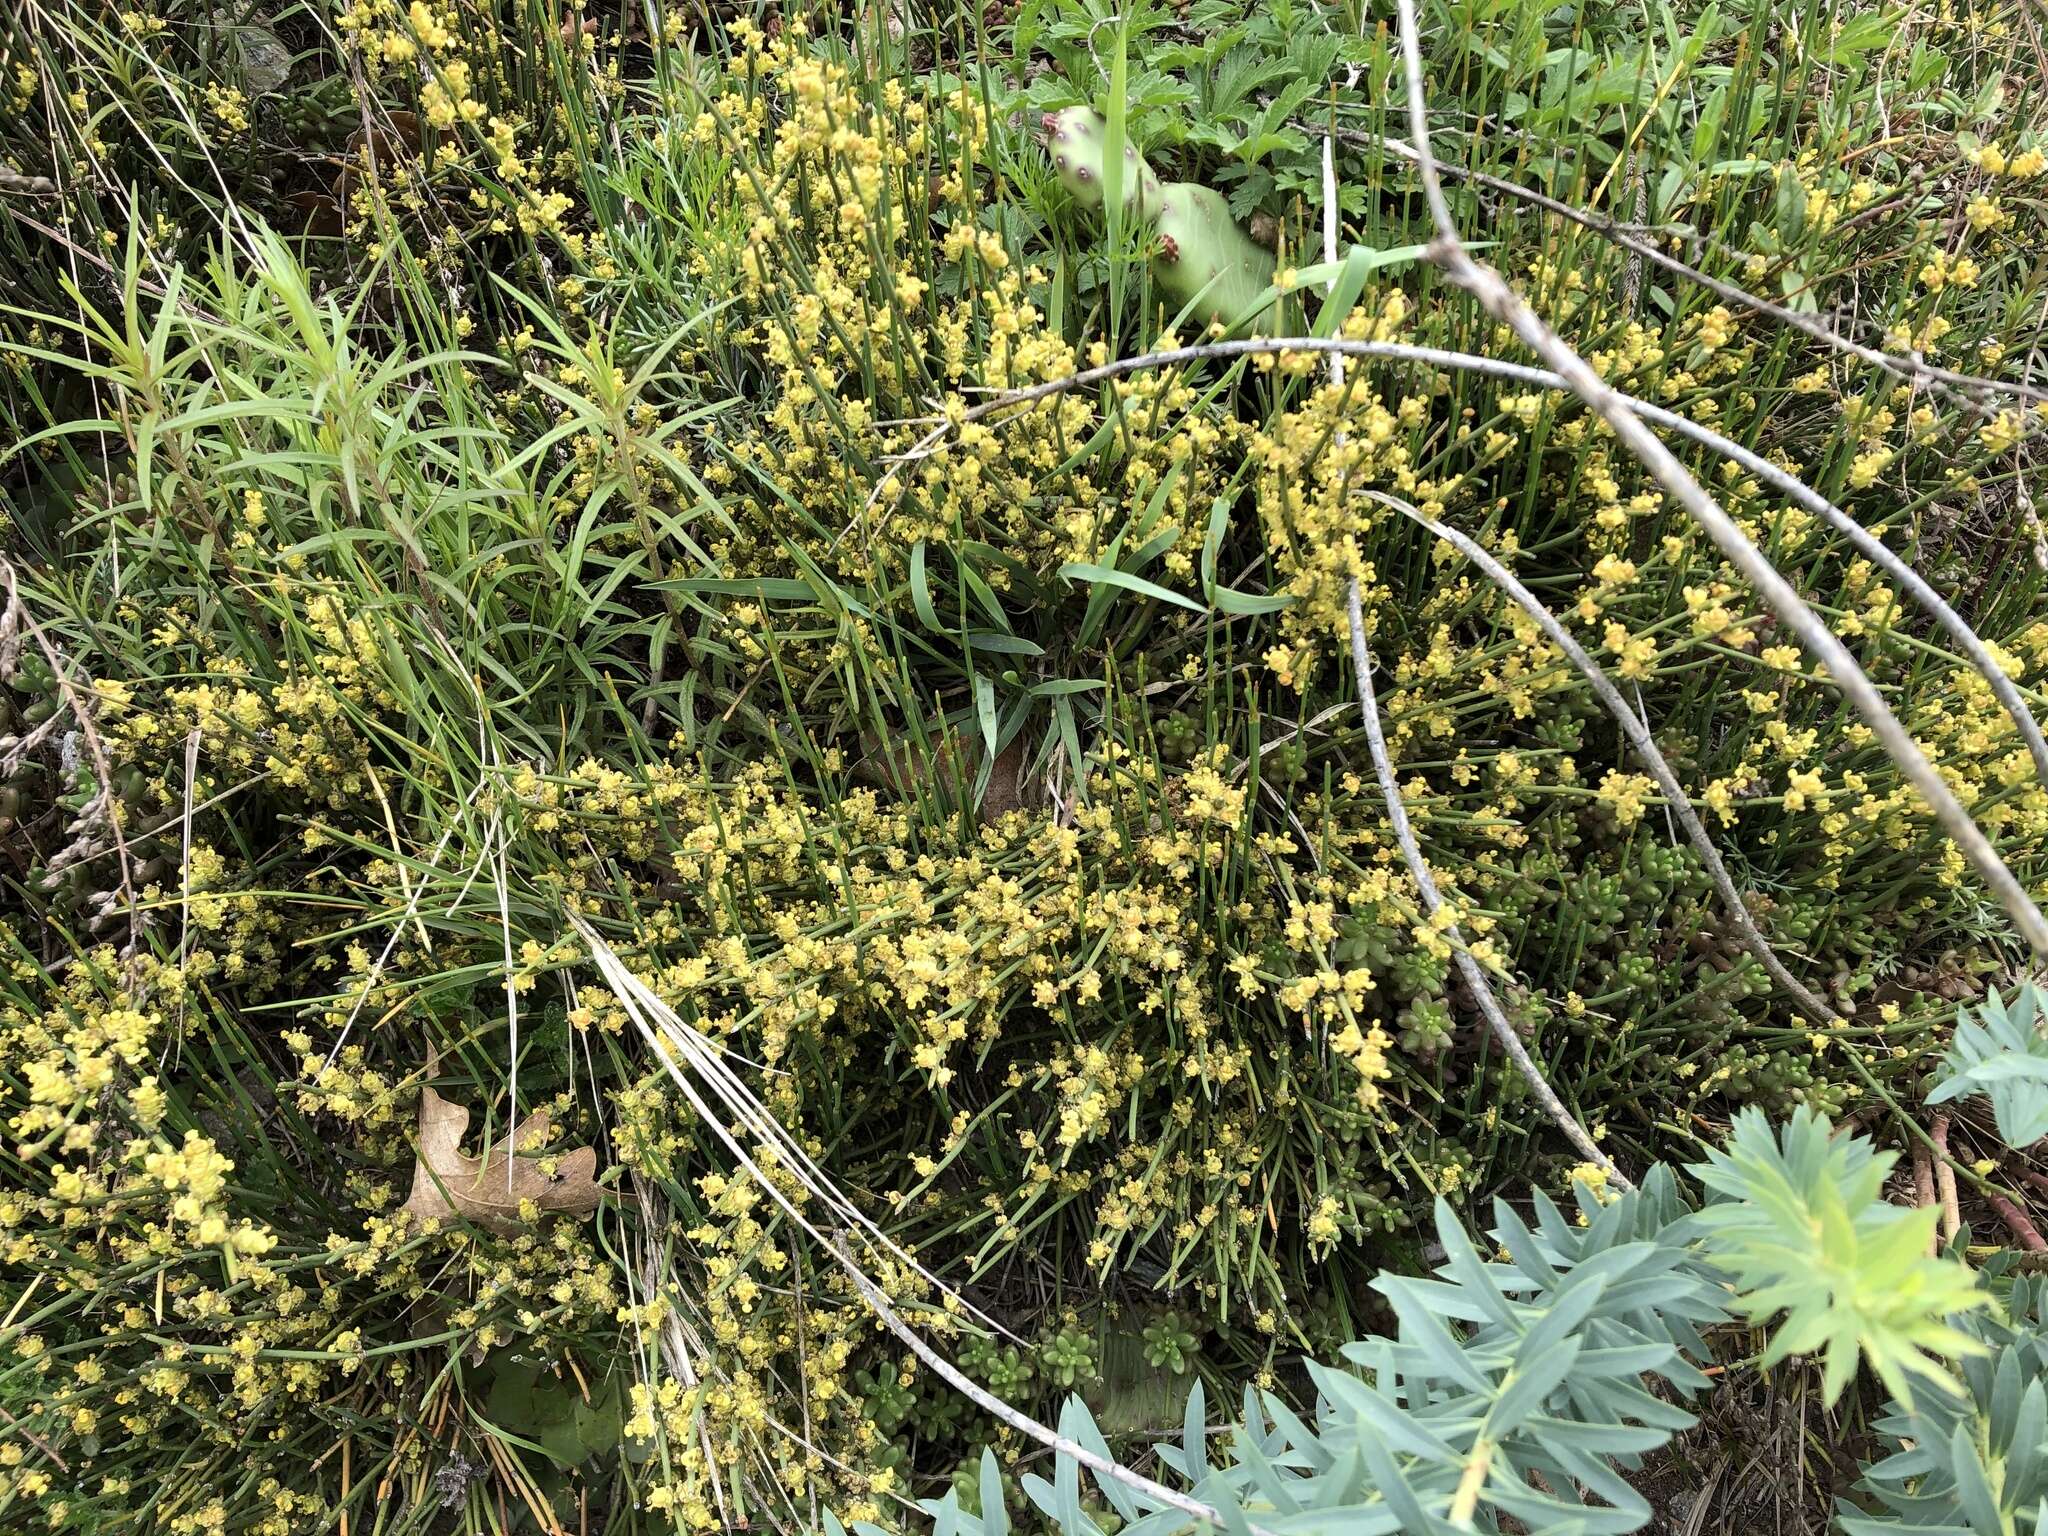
(1966, 388)
(1494, 295)
(671, 1038)
(990, 1404)
(107, 801)
(1948, 811)
(1432, 900)
(1867, 544)
(1945, 1177)
(1474, 974)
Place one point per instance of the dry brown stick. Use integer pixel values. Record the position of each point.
(675, 1341)
(658, 1022)
(1965, 387)
(1493, 293)
(35, 1440)
(2031, 1177)
(105, 769)
(2016, 1221)
(1923, 1189)
(678, 1045)
(1636, 729)
(1945, 1177)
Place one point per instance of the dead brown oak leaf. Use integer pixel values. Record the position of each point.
(446, 1181)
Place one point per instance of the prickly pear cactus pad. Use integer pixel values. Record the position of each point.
(1205, 261)
(1201, 258)
(1074, 138)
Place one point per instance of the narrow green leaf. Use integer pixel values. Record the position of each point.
(1075, 570)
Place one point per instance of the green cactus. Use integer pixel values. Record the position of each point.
(1199, 254)
(1286, 765)
(894, 1457)
(1204, 259)
(1074, 139)
(1010, 1374)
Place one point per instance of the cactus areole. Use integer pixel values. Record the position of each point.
(1200, 256)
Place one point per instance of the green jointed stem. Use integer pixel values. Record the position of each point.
(1200, 255)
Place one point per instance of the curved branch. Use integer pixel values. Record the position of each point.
(1647, 751)
(1018, 1420)
(1432, 899)
(1867, 544)
(670, 1037)
(1505, 305)
(1963, 387)
(1622, 414)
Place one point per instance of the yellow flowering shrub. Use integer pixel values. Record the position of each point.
(575, 486)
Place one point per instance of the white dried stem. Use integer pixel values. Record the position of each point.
(677, 1045)
(1022, 1422)
(670, 1036)
(1432, 900)
(1646, 749)
(1965, 388)
(1499, 300)
(1867, 544)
